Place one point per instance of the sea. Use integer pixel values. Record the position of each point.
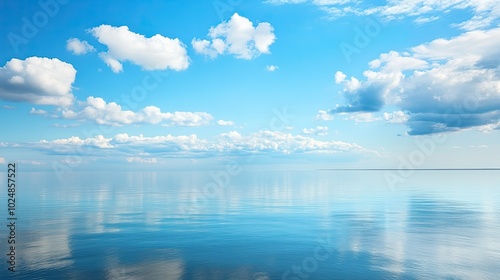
(233, 223)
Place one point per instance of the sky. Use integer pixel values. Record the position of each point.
(159, 85)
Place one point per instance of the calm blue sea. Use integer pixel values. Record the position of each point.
(255, 225)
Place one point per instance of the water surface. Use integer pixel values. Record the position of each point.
(256, 225)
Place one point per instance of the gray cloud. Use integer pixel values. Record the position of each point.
(443, 86)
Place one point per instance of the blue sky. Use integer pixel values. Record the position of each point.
(183, 84)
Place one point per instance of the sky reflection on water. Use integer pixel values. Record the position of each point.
(438, 224)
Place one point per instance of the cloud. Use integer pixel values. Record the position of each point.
(142, 160)
(366, 98)
(225, 123)
(339, 77)
(37, 80)
(112, 63)
(231, 143)
(444, 85)
(73, 145)
(324, 116)
(484, 13)
(98, 110)
(479, 146)
(488, 128)
(78, 47)
(38, 112)
(396, 117)
(237, 37)
(319, 130)
(2, 160)
(362, 117)
(422, 20)
(154, 53)
(272, 68)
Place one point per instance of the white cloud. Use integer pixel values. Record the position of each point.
(2, 160)
(225, 123)
(74, 145)
(142, 160)
(78, 47)
(362, 117)
(66, 125)
(445, 85)
(339, 77)
(31, 162)
(308, 130)
(38, 112)
(98, 141)
(324, 116)
(319, 130)
(396, 117)
(479, 146)
(272, 68)
(98, 110)
(114, 64)
(154, 53)
(37, 80)
(485, 13)
(488, 128)
(238, 37)
(422, 20)
(231, 143)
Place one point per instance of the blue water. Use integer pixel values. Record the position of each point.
(255, 225)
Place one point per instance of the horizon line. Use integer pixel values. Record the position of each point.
(412, 169)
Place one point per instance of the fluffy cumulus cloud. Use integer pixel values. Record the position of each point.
(154, 53)
(78, 47)
(142, 160)
(237, 37)
(486, 13)
(37, 80)
(231, 143)
(444, 85)
(98, 110)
